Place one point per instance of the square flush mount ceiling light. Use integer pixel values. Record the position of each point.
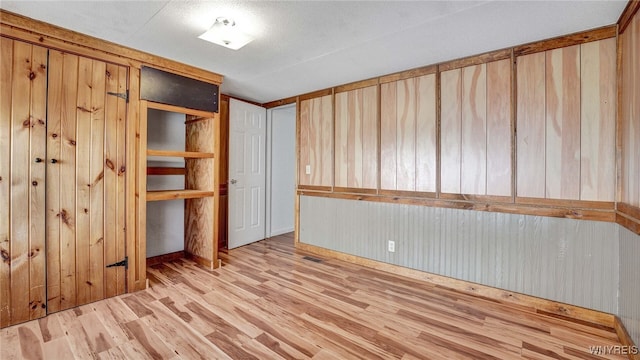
(224, 32)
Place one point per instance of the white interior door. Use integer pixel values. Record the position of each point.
(247, 177)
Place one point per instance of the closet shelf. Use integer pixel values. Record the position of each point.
(159, 195)
(165, 170)
(182, 154)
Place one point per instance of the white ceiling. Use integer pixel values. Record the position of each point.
(302, 46)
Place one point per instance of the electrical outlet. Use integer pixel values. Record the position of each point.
(307, 169)
(392, 246)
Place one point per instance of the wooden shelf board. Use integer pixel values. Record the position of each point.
(165, 170)
(182, 154)
(158, 195)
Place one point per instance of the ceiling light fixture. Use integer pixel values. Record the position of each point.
(224, 32)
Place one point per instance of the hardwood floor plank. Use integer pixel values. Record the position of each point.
(268, 301)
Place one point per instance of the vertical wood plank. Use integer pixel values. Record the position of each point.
(473, 164)
(563, 123)
(426, 133)
(54, 111)
(326, 144)
(20, 128)
(630, 114)
(315, 141)
(499, 128)
(451, 117)
(68, 180)
(370, 137)
(303, 142)
(83, 181)
(530, 125)
(598, 111)
(406, 134)
(341, 126)
(6, 53)
(96, 175)
(122, 210)
(37, 205)
(111, 167)
(388, 137)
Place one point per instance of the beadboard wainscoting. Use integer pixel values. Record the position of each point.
(571, 261)
(628, 306)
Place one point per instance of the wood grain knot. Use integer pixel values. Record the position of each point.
(122, 170)
(64, 217)
(33, 253)
(108, 74)
(54, 135)
(26, 123)
(43, 66)
(72, 142)
(84, 109)
(41, 39)
(89, 283)
(41, 122)
(5, 256)
(34, 183)
(32, 75)
(109, 164)
(86, 211)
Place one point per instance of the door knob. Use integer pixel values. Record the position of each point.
(233, 181)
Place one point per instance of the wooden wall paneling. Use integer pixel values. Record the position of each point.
(597, 120)
(6, 53)
(123, 189)
(37, 176)
(341, 124)
(473, 156)
(563, 123)
(304, 119)
(450, 130)
(406, 134)
(388, 138)
(630, 113)
(83, 181)
(499, 149)
(530, 125)
(426, 133)
(370, 137)
(354, 138)
(325, 115)
(138, 251)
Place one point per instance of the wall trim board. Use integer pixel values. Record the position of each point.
(281, 102)
(627, 15)
(209, 264)
(155, 260)
(477, 198)
(413, 194)
(315, 94)
(356, 85)
(624, 336)
(402, 75)
(354, 190)
(519, 209)
(520, 301)
(628, 222)
(573, 204)
(53, 36)
(567, 40)
(475, 60)
(629, 210)
(228, 97)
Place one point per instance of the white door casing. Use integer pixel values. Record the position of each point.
(247, 176)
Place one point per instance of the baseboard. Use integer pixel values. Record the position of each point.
(200, 260)
(521, 301)
(280, 232)
(155, 260)
(625, 338)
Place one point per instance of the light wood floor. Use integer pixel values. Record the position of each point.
(269, 302)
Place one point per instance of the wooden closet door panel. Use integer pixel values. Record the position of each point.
(563, 123)
(341, 139)
(597, 121)
(426, 133)
(6, 52)
(531, 125)
(388, 138)
(370, 137)
(473, 157)
(451, 108)
(499, 128)
(22, 141)
(406, 135)
(354, 139)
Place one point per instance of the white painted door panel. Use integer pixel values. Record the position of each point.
(247, 177)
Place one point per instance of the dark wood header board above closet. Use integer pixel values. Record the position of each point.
(167, 88)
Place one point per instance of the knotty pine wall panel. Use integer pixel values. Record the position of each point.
(541, 256)
(23, 81)
(630, 113)
(316, 141)
(356, 138)
(476, 129)
(566, 123)
(408, 134)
